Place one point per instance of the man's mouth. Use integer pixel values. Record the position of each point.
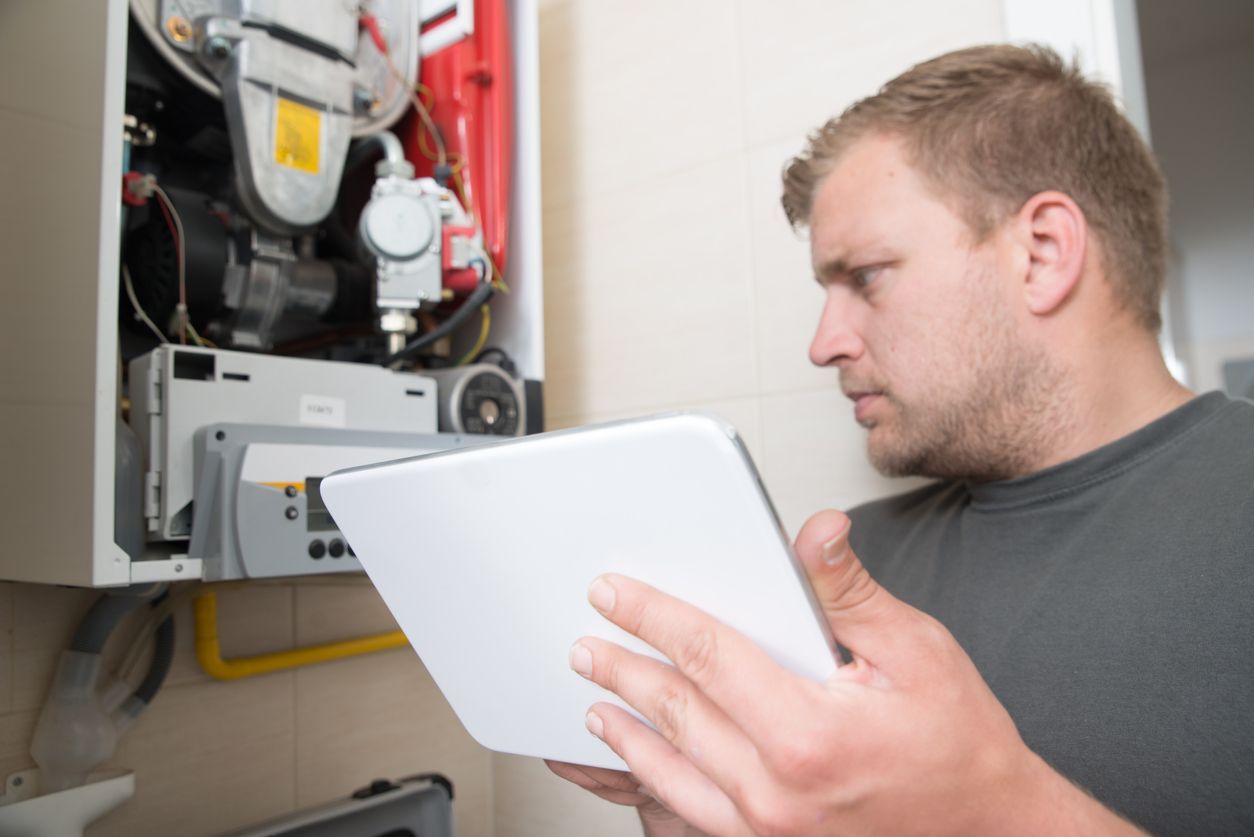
(864, 402)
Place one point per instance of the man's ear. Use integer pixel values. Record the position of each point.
(1053, 232)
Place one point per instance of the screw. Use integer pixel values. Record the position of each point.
(363, 100)
(178, 568)
(179, 28)
(17, 781)
(218, 47)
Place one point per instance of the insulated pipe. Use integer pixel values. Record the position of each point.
(393, 153)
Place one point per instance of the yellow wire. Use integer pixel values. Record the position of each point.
(423, 113)
(203, 342)
(483, 337)
(498, 281)
(427, 94)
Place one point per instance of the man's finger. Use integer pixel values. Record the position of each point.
(681, 714)
(741, 679)
(579, 775)
(864, 617)
(669, 776)
(614, 779)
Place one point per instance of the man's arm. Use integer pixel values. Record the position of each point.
(905, 739)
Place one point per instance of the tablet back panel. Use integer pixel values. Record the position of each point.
(485, 555)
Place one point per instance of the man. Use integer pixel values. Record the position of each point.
(1064, 637)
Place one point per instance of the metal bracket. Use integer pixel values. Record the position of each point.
(175, 568)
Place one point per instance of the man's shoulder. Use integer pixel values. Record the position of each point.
(1230, 415)
(1219, 443)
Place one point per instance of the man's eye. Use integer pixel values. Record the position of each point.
(865, 275)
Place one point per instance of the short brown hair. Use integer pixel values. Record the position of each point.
(990, 127)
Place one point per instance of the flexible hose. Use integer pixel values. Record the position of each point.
(162, 657)
(105, 614)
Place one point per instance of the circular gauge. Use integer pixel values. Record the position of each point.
(398, 227)
(488, 403)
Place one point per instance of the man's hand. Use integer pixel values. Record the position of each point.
(624, 789)
(907, 738)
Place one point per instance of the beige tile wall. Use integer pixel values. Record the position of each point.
(211, 756)
(671, 278)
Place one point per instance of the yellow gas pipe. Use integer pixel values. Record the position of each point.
(209, 652)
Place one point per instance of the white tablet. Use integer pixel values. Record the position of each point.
(484, 555)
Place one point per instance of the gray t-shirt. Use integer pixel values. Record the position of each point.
(1109, 603)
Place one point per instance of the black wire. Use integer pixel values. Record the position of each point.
(506, 362)
(491, 350)
(481, 294)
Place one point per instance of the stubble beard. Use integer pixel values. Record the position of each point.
(1008, 410)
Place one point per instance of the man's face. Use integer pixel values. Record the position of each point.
(923, 325)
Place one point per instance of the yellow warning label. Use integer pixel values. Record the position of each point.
(297, 136)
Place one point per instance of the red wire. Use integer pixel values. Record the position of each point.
(371, 25)
(178, 256)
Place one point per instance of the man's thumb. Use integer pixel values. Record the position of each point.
(864, 617)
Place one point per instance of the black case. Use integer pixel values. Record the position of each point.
(421, 806)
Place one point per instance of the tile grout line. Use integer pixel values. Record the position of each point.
(294, 695)
(10, 686)
(759, 396)
(584, 197)
(747, 173)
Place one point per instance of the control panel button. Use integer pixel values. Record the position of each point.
(336, 548)
(317, 549)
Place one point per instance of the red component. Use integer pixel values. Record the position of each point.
(473, 107)
(459, 280)
(133, 191)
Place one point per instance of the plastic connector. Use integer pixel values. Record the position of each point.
(138, 188)
(75, 732)
(394, 168)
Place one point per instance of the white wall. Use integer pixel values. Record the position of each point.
(671, 277)
(1203, 130)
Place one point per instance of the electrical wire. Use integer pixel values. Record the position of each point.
(474, 350)
(498, 281)
(505, 361)
(371, 24)
(140, 314)
(163, 203)
(176, 230)
(489, 351)
(175, 223)
(481, 294)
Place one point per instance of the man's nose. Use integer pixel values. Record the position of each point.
(837, 338)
